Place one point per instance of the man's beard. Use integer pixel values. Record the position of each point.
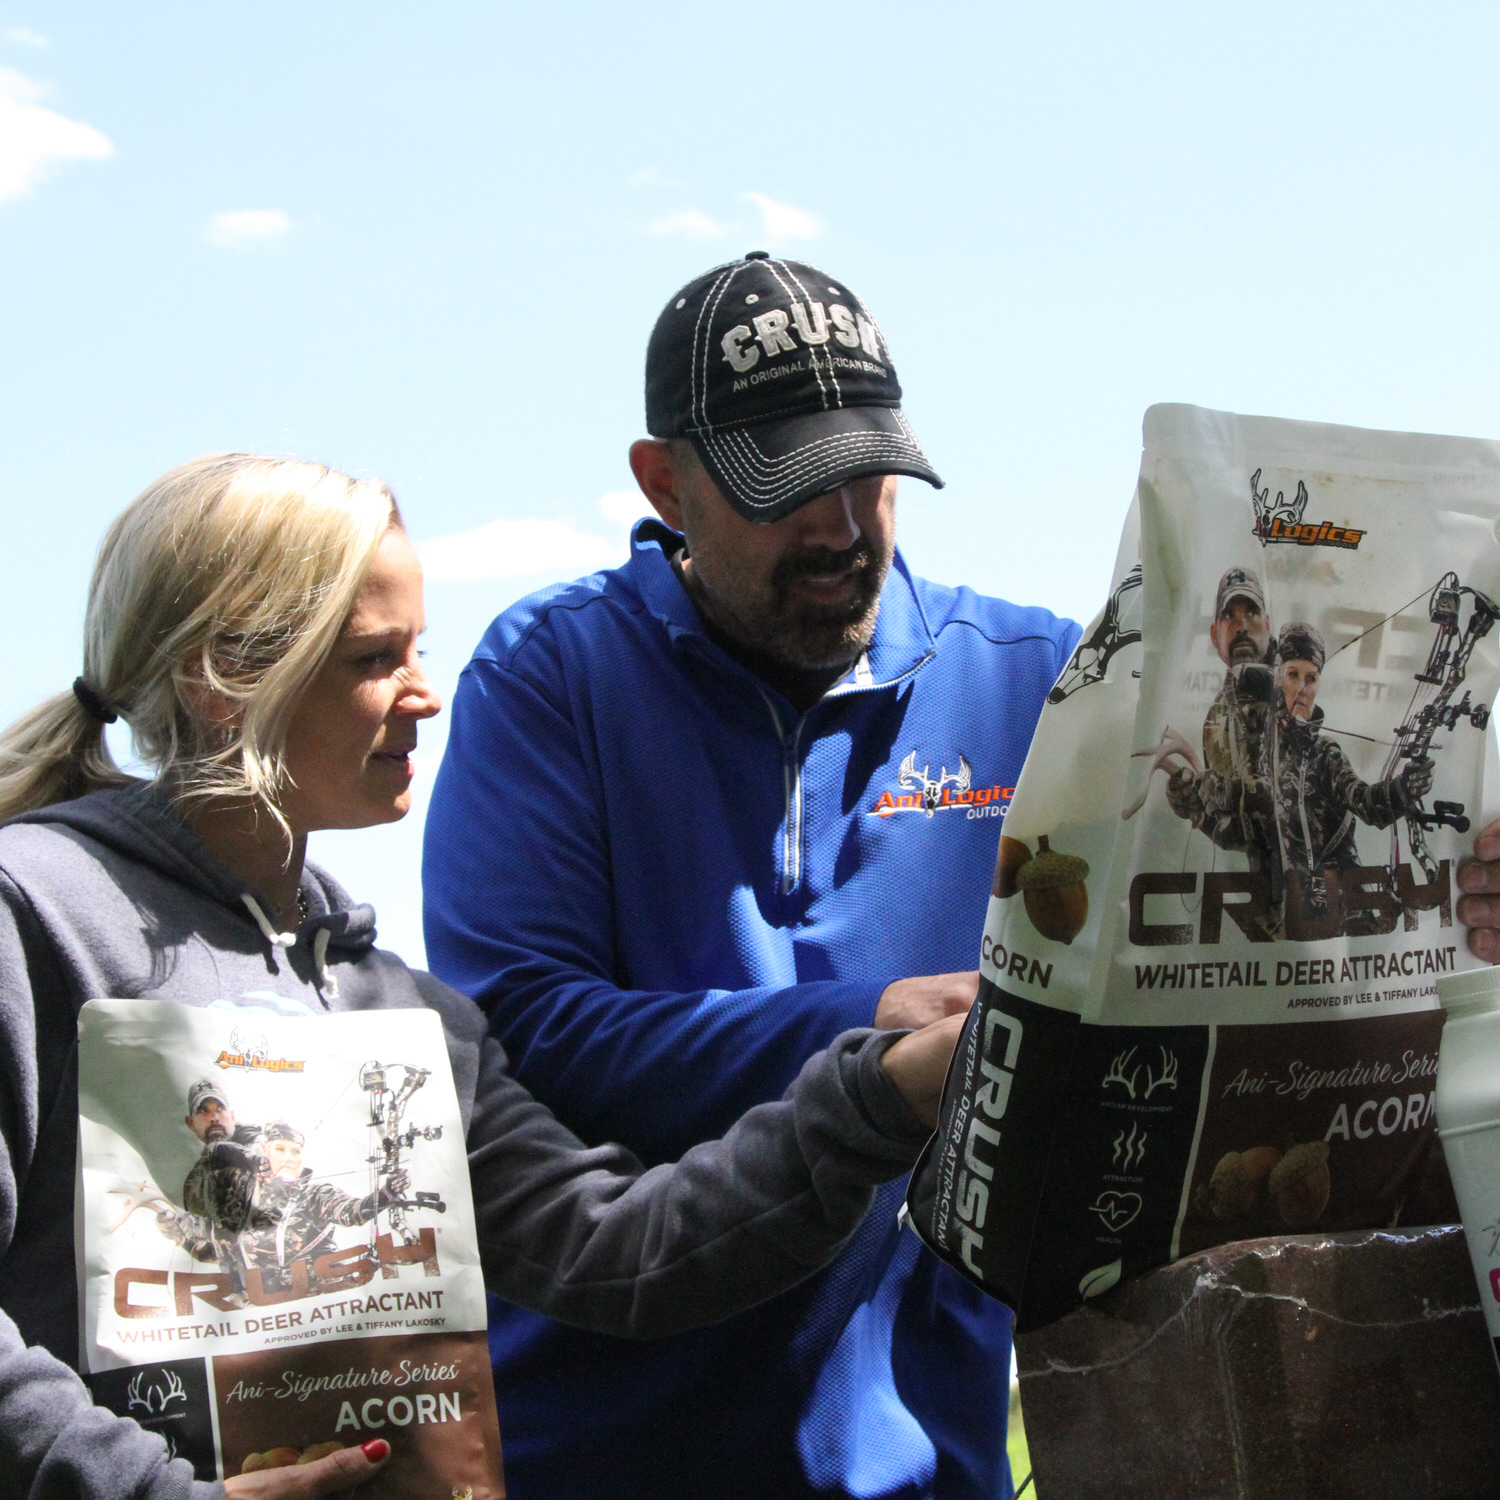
(821, 637)
(1244, 648)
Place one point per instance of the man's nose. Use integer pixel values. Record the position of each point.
(828, 520)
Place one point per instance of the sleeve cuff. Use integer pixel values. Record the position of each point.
(879, 1099)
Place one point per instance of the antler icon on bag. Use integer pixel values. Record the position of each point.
(1130, 1081)
(154, 1397)
(1166, 1079)
(1117, 1073)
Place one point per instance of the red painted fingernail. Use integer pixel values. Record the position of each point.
(375, 1450)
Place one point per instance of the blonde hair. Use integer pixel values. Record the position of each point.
(232, 573)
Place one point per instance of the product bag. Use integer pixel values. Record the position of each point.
(1226, 883)
(277, 1250)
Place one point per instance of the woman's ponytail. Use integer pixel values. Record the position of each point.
(55, 753)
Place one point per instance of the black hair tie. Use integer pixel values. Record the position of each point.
(94, 702)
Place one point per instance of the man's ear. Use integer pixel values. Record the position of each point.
(655, 470)
(1216, 635)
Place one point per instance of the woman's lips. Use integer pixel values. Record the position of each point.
(399, 760)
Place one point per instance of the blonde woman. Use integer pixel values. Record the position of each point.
(255, 623)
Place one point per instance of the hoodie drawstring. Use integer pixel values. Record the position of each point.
(326, 981)
(276, 939)
(320, 962)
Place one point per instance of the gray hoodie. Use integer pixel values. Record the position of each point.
(112, 895)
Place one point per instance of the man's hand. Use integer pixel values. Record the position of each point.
(336, 1474)
(919, 1002)
(1416, 780)
(1479, 909)
(918, 1064)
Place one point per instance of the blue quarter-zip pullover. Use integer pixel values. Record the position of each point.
(668, 888)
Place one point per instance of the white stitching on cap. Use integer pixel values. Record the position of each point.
(739, 454)
(751, 466)
(892, 459)
(756, 475)
(714, 293)
(811, 353)
(743, 437)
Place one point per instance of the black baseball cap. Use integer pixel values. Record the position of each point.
(781, 378)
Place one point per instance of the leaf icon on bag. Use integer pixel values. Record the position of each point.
(1100, 1279)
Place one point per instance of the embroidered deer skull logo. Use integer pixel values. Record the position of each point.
(910, 779)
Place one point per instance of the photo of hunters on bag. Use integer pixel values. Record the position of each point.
(753, 753)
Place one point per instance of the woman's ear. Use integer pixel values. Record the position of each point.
(205, 702)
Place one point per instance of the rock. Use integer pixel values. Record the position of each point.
(1318, 1366)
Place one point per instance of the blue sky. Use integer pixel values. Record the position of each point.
(429, 242)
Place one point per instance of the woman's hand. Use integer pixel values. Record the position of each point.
(333, 1475)
(918, 1064)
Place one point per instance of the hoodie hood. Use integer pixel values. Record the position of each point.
(139, 822)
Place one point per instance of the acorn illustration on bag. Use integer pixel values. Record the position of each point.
(1057, 901)
(1300, 1184)
(1238, 1185)
(1013, 854)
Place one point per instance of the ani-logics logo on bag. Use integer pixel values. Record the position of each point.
(248, 1050)
(1282, 522)
(921, 791)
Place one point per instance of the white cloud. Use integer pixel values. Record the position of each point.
(691, 222)
(32, 139)
(780, 221)
(247, 226)
(25, 36)
(623, 507)
(513, 549)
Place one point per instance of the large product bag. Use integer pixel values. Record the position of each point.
(1226, 883)
(277, 1250)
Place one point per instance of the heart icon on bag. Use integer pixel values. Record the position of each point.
(1117, 1209)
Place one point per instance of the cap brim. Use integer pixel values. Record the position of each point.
(767, 470)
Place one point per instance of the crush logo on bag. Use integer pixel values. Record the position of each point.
(1282, 521)
(921, 791)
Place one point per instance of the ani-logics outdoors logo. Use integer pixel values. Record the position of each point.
(921, 791)
(1282, 521)
(247, 1049)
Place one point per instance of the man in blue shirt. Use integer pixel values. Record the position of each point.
(698, 815)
